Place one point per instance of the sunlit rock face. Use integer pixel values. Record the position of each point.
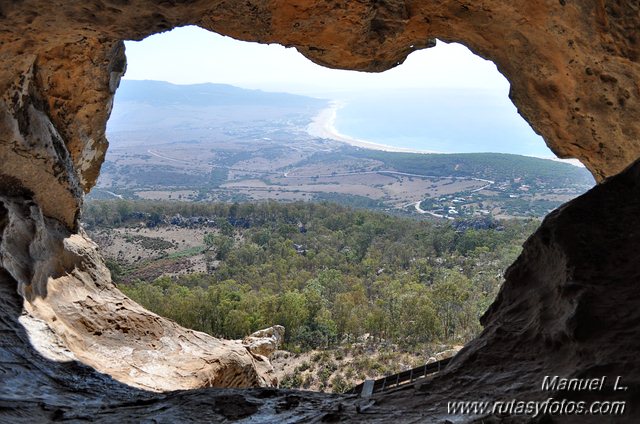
(568, 308)
(73, 312)
(568, 305)
(265, 342)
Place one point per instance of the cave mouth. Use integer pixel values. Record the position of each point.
(163, 147)
(567, 306)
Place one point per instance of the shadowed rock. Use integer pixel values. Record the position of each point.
(569, 303)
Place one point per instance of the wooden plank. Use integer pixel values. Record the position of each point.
(384, 383)
(367, 389)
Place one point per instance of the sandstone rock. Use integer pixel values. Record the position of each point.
(572, 66)
(446, 354)
(72, 311)
(265, 342)
(563, 310)
(567, 307)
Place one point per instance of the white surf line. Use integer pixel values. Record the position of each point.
(323, 126)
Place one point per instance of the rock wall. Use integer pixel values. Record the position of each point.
(71, 311)
(567, 306)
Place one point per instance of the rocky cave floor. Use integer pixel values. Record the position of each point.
(34, 389)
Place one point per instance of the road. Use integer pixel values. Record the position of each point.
(416, 205)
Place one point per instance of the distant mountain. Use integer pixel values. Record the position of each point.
(161, 93)
(158, 105)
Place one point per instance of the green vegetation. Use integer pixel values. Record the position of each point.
(329, 274)
(150, 242)
(491, 166)
(187, 252)
(351, 200)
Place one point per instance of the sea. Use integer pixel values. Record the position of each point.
(439, 120)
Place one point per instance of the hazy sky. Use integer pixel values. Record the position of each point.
(192, 55)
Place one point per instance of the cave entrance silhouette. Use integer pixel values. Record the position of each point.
(567, 306)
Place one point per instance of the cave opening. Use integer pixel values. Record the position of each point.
(217, 132)
(568, 307)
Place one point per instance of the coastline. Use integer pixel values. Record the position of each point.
(323, 126)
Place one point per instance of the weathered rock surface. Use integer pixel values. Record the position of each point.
(568, 306)
(73, 312)
(265, 342)
(445, 354)
(573, 66)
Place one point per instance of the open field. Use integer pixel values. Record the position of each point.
(152, 252)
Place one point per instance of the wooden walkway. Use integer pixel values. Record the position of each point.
(392, 381)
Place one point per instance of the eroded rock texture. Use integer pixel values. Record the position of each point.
(567, 306)
(73, 312)
(573, 65)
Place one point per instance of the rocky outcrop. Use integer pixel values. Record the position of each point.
(445, 354)
(573, 66)
(567, 306)
(72, 311)
(265, 342)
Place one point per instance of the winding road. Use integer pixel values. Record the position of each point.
(416, 205)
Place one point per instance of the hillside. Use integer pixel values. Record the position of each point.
(213, 142)
(492, 166)
(144, 110)
(161, 93)
(340, 280)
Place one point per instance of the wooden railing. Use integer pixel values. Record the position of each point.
(395, 380)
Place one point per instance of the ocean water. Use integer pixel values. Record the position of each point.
(440, 120)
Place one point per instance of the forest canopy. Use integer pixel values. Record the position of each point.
(329, 274)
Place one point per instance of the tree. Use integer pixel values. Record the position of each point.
(450, 293)
(292, 313)
(220, 243)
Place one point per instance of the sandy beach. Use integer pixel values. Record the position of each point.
(323, 126)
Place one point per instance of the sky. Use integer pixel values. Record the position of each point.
(191, 55)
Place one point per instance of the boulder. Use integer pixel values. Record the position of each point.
(265, 342)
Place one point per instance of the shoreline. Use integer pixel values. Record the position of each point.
(323, 125)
